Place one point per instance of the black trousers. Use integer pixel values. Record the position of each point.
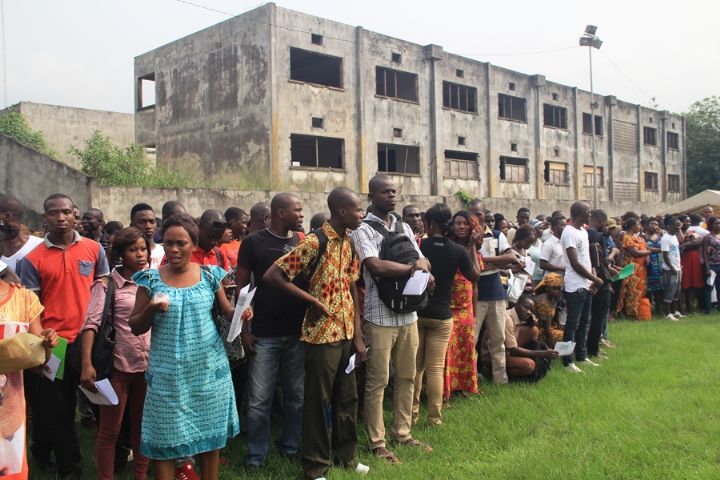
(52, 405)
(327, 385)
(598, 317)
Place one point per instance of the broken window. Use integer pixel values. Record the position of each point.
(461, 140)
(651, 181)
(511, 86)
(513, 147)
(649, 136)
(511, 108)
(459, 97)
(397, 132)
(556, 173)
(396, 58)
(396, 84)
(514, 169)
(587, 124)
(318, 122)
(588, 176)
(673, 183)
(460, 73)
(146, 91)
(398, 158)
(673, 141)
(311, 67)
(318, 152)
(555, 116)
(461, 164)
(316, 39)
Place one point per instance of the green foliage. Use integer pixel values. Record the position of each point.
(464, 197)
(115, 166)
(703, 145)
(14, 125)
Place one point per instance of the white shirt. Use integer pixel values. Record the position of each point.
(552, 252)
(669, 243)
(487, 250)
(156, 256)
(576, 238)
(698, 229)
(29, 246)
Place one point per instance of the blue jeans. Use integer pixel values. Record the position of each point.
(577, 323)
(272, 354)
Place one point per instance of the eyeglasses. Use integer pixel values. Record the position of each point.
(220, 225)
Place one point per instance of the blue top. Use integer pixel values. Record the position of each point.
(190, 402)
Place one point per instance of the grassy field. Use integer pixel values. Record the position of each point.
(651, 411)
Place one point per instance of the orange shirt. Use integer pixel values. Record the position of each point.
(202, 257)
(230, 251)
(63, 276)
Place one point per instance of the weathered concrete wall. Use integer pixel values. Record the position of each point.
(212, 102)
(231, 125)
(32, 176)
(64, 127)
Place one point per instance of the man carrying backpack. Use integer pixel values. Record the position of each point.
(390, 335)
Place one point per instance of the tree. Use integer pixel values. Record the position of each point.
(115, 166)
(703, 145)
(16, 127)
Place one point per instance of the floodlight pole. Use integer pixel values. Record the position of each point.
(591, 40)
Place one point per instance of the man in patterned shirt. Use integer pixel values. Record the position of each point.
(391, 335)
(328, 331)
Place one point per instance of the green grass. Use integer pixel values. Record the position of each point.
(651, 411)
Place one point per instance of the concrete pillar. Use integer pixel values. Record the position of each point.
(578, 180)
(433, 54)
(639, 147)
(538, 81)
(662, 184)
(489, 172)
(610, 102)
(683, 161)
(363, 168)
(275, 165)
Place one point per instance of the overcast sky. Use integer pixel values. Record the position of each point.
(80, 52)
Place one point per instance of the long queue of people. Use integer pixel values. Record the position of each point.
(331, 325)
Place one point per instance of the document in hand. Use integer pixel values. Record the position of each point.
(625, 272)
(711, 279)
(244, 298)
(105, 394)
(51, 367)
(564, 348)
(529, 265)
(351, 364)
(417, 283)
(55, 366)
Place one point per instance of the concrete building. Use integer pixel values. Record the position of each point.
(64, 127)
(278, 100)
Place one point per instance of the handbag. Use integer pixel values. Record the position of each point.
(104, 345)
(234, 349)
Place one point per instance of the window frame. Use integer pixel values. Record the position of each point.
(317, 153)
(459, 87)
(511, 99)
(470, 165)
(548, 178)
(654, 179)
(555, 108)
(598, 123)
(341, 71)
(676, 142)
(386, 70)
(407, 148)
(515, 163)
(647, 130)
(676, 179)
(600, 172)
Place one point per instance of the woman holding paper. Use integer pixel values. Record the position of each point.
(20, 312)
(130, 253)
(190, 402)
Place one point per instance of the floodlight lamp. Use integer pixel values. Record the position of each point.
(590, 29)
(585, 41)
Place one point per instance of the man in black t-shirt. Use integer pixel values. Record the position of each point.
(600, 307)
(272, 337)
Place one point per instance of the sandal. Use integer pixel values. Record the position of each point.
(414, 442)
(385, 454)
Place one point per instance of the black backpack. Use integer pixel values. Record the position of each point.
(397, 247)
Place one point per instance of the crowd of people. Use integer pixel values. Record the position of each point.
(330, 327)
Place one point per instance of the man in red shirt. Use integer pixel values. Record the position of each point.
(207, 252)
(61, 271)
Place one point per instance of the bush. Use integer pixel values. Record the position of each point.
(16, 127)
(115, 166)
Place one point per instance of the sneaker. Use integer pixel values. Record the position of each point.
(607, 343)
(671, 317)
(600, 356)
(573, 368)
(587, 361)
(679, 315)
(362, 469)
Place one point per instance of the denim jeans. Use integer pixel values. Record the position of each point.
(272, 354)
(598, 319)
(578, 320)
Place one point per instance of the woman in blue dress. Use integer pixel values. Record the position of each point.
(190, 403)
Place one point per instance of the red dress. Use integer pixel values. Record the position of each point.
(461, 357)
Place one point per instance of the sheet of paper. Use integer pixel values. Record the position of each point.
(529, 265)
(711, 278)
(417, 283)
(59, 351)
(51, 367)
(489, 245)
(351, 364)
(105, 394)
(565, 348)
(245, 296)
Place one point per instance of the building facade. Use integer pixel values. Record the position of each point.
(274, 99)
